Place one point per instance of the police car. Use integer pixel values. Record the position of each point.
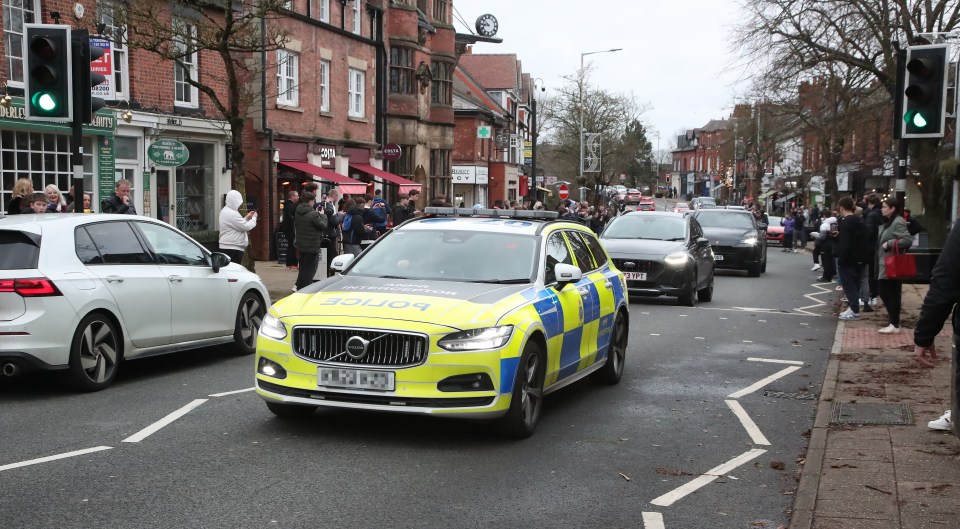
(464, 312)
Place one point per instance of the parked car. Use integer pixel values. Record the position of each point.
(661, 254)
(737, 240)
(775, 229)
(81, 292)
(473, 316)
(633, 196)
(647, 204)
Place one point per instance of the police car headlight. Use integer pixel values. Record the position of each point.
(477, 339)
(676, 259)
(273, 328)
(750, 240)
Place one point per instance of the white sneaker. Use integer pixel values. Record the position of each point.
(849, 315)
(294, 289)
(874, 302)
(889, 329)
(815, 267)
(794, 250)
(943, 423)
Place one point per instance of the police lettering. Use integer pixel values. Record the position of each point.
(350, 302)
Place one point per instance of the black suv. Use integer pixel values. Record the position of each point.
(738, 241)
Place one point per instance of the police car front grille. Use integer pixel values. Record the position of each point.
(652, 268)
(388, 349)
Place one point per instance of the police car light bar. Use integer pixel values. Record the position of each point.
(497, 213)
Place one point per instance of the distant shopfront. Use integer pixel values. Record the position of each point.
(470, 185)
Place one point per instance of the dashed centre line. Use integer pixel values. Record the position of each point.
(155, 427)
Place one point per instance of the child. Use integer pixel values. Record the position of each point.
(38, 203)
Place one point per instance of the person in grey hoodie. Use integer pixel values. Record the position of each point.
(234, 227)
(309, 227)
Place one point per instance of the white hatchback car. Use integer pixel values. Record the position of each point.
(81, 292)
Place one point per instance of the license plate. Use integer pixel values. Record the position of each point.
(355, 379)
(717, 257)
(636, 276)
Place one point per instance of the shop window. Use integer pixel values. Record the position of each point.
(195, 190)
(44, 159)
(16, 13)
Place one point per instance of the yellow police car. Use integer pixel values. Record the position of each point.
(464, 312)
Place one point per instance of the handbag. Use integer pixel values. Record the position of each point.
(899, 265)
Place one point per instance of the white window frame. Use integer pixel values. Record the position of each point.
(116, 34)
(324, 14)
(357, 19)
(192, 69)
(288, 72)
(356, 89)
(324, 74)
(8, 35)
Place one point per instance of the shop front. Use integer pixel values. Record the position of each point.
(470, 185)
(41, 151)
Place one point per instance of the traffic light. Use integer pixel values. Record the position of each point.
(47, 69)
(925, 99)
(84, 53)
(668, 179)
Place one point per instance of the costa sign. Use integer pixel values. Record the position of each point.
(392, 152)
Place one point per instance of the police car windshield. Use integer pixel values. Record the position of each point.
(646, 227)
(487, 257)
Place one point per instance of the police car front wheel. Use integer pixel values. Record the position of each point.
(527, 400)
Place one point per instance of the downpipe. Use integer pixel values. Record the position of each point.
(10, 369)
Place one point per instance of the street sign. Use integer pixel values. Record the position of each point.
(623, 176)
(563, 192)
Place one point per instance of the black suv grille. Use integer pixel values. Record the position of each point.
(388, 349)
(652, 268)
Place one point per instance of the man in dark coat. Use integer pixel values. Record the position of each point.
(872, 219)
(119, 201)
(941, 299)
(309, 227)
(286, 226)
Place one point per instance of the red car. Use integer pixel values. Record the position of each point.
(775, 229)
(647, 204)
(633, 196)
(681, 207)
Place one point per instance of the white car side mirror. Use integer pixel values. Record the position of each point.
(341, 262)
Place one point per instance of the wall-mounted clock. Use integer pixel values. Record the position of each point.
(487, 25)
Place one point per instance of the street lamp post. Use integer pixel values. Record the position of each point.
(582, 55)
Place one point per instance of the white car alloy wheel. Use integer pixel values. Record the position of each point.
(95, 353)
(250, 315)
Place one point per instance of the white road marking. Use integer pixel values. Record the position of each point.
(813, 297)
(225, 393)
(755, 434)
(764, 382)
(748, 341)
(155, 427)
(766, 312)
(775, 361)
(699, 338)
(652, 520)
(678, 493)
(654, 334)
(756, 309)
(54, 458)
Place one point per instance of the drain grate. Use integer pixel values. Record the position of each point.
(871, 413)
(805, 395)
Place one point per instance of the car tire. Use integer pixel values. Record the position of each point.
(527, 397)
(611, 372)
(95, 353)
(290, 410)
(250, 314)
(763, 265)
(753, 270)
(706, 293)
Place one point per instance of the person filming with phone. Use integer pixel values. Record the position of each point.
(234, 227)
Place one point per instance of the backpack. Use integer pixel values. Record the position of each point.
(347, 223)
(379, 215)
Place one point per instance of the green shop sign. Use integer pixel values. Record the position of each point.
(104, 121)
(168, 153)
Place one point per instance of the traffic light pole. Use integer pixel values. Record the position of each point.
(76, 159)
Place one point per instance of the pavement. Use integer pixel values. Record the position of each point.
(861, 470)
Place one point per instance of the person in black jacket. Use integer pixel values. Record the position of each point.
(941, 298)
(309, 227)
(850, 252)
(286, 226)
(354, 231)
(119, 201)
(872, 219)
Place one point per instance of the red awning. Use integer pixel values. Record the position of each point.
(405, 185)
(346, 185)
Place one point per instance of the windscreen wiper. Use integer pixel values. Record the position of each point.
(518, 281)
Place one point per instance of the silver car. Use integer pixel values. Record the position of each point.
(80, 292)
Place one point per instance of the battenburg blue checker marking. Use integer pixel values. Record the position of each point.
(570, 352)
(508, 372)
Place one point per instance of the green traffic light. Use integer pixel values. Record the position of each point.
(44, 101)
(915, 119)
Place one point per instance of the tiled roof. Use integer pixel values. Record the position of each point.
(494, 72)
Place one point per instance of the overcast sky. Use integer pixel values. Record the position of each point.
(676, 59)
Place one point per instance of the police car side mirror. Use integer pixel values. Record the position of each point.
(341, 262)
(566, 274)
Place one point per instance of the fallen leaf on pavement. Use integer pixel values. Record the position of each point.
(624, 476)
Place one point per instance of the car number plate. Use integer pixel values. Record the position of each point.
(636, 276)
(355, 379)
(717, 257)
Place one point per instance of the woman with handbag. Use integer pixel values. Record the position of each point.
(892, 262)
